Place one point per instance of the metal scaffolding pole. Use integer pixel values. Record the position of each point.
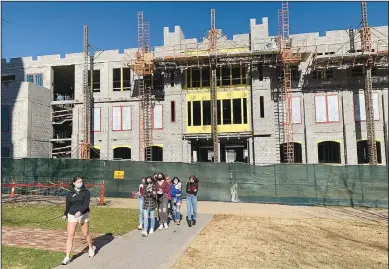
(85, 146)
(368, 89)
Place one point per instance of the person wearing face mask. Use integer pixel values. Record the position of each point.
(141, 199)
(163, 200)
(192, 188)
(149, 205)
(175, 193)
(77, 211)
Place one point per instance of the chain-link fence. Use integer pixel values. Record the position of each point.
(304, 184)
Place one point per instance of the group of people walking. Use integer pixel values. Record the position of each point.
(157, 192)
(163, 194)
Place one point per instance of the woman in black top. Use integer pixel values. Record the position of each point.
(192, 187)
(77, 211)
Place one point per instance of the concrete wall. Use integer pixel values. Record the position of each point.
(30, 126)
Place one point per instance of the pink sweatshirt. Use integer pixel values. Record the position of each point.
(165, 187)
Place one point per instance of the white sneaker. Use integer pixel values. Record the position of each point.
(92, 251)
(144, 233)
(165, 225)
(151, 231)
(140, 227)
(66, 261)
(160, 227)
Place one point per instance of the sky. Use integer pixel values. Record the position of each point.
(43, 28)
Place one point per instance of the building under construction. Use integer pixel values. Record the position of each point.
(255, 98)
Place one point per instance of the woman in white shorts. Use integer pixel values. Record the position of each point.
(77, 211)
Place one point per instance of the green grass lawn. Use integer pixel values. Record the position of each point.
(117, 221)
(29, 258)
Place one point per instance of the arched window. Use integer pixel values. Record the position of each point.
(298, 155)
(123, 153)
(363, 153)
(156, 154)
(328, 152)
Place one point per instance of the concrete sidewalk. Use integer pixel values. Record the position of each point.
(158, 251)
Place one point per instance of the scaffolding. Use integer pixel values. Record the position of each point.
(86, 131)
(365, 54)
(143, 68)
(278, 53)
(283, 108)
(213, 34)
(366, 47)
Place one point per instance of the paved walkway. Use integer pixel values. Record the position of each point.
(158, 251)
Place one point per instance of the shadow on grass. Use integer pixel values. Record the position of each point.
(99, 242)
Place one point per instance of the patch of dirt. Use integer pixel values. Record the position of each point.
(262, 242)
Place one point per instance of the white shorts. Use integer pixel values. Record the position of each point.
(79, 219)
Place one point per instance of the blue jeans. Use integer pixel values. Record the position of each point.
(191, 206)
(146, 214)
(141, 199)
(176, 206)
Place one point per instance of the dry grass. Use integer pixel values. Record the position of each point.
(253, 242)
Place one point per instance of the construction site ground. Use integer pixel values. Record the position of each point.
(261, 235)
(272, 210)
(239, 209)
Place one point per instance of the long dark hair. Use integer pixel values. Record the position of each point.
(149, 177)
(72, 187)
(159, 175)
(196, 180)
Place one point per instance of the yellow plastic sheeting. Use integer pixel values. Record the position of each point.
(192, 97)
(121, 146)
(157, 145)
(224, 50)
(337, 141)
(377, 140)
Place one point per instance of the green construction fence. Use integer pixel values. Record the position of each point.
(291, 184)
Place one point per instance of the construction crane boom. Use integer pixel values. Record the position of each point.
(86, 131)
(365, 33)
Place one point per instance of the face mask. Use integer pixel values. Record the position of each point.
(78, 185)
